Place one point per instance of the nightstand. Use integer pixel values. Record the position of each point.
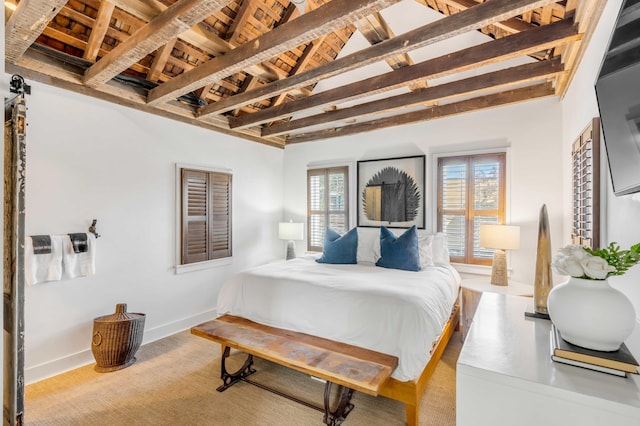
(472, 289)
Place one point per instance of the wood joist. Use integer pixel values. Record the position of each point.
(245, 68)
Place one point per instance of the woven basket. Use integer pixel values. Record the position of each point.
(116, 339)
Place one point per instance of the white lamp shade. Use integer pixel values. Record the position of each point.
(291, 231)
(505, 237)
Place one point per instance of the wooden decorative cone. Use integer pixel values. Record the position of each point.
(543, 280)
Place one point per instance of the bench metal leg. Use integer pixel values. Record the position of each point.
(335, 418)
(230, 379)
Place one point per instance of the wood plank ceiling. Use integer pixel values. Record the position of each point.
(262, 70)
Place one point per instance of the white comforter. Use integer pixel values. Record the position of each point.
(391, 311)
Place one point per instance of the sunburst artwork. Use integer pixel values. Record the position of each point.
(391, 192)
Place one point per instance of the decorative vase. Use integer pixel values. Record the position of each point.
(591, 314)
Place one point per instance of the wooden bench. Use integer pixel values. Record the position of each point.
(352, 367)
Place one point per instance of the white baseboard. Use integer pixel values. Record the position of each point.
(54, 367)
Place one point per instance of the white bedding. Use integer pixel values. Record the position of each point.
(395, 312)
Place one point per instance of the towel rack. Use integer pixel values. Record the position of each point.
(92, 228)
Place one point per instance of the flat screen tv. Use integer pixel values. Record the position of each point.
(618, 94)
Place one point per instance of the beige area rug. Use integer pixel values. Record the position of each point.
(174, 380)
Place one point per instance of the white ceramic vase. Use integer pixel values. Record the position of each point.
(591, 314)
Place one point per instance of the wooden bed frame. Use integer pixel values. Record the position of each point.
(410, 392)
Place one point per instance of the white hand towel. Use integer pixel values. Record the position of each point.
(78, 264)
(40, 268)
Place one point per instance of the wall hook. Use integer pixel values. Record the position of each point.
(92, 228)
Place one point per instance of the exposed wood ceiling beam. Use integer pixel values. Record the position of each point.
(307, 55)
(26, 23)
(587, 14)
(508, 76)
(324, 20)
(376, 30)
(475, 104)
(196, 35)
(42, 68)
(512, 25)
(176, 19)
(99, 30)
(241, 20)
(520, 44)
(477, 17)
(160, 60)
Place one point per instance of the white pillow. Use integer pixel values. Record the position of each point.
(440, 250)
(368, 245)
(425, 248)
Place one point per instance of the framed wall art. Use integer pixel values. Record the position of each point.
(391, 192)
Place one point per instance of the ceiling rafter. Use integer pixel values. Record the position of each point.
(175, 20)
(26, 23)
(520, 44)
(35, 67)
(268, 65)
(196, 35)
(246, 8)
(160, 60)
(467, 86)
(440, 111)
(326, 19)
(511, 25)
(99, 30)
(468, 20)
(376, 30)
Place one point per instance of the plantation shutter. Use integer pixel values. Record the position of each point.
(452, 205)
(194, 216)
(220, 217)
(327, 204)
(471, 192)
(206, 215)
(316, 208)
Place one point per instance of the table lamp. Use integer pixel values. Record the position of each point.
(500, 238)
(291, 231)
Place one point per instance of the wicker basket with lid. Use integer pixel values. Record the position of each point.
(116, 339)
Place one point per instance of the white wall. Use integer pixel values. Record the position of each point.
(91, 159)
(532, 132)
(621, 214)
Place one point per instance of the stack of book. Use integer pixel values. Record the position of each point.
(618, 363)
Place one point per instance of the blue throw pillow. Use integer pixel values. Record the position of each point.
(339, 249)
(399, 252)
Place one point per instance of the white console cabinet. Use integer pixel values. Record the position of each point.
(505, 375)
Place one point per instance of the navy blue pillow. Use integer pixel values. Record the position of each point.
(399, 252)
(339, 249)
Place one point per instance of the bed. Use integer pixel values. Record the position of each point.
(407, 314)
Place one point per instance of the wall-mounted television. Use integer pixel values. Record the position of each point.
(618, 94)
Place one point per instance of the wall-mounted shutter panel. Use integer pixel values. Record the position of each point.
(220, 218)
(206, 215)
(194, 216)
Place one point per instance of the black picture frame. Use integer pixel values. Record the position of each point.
(391, 192)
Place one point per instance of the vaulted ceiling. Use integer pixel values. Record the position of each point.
(279, 73)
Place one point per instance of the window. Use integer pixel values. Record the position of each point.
(206, 215)
(585, 153)
(471, 192)
(327, 203)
